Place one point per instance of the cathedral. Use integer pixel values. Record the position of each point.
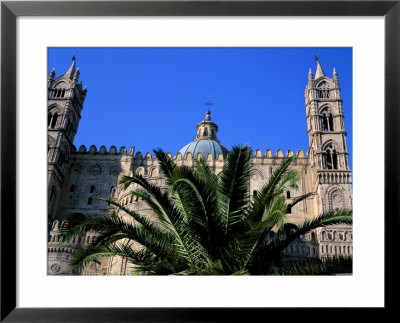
(76, 176)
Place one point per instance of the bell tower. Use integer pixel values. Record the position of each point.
(327, 151)
(64, 105)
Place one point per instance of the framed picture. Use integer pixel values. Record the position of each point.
(27, 293)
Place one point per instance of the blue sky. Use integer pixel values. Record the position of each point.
(154, 97)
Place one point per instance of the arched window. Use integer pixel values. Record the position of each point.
(255, 193)
(288, 194)
(89, 201)
(72, 188)
(328, 157)
(54, 120)
(334, 160)
(312, 236)
(289, 209)
(92, 189)
(324, 122)
(330, 122)
(205, 131)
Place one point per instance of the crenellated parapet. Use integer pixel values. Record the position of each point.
(103, 150)
(93, 150)
(268, 158)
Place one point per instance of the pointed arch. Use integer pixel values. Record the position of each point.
(54, 108)
(153, 172)
(140, 171)
(95, 169)
(256, 174)
(328, 143)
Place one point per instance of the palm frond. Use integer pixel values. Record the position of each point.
(299, 199)
(83, 257)
(332, 217)
(146, 223)
(233, 187)
(186, 243)
(167, 165)
(271, 189)
(290, 179)
(256, 238)
(112, 229)
(195, 196)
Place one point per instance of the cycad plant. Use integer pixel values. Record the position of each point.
(204, 225)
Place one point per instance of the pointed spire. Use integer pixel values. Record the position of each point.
(319, 72)
(71, 71)
(336, 79)
(76, 75)
(310, 76)
(335, 74)
(51, 75)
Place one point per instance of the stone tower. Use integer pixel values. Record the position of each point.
(327, 141)
(65, 100)
(328, 155)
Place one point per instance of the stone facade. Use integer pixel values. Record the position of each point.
(77, 177)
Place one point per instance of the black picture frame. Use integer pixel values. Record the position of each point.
(10, 10)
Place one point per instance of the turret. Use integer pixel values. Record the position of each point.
(64, 106)
(327, 136)
(207, 129)
(51, 75)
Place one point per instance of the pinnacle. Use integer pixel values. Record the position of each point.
(319, 72)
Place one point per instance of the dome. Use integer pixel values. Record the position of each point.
(206, 141)
(205, 147)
